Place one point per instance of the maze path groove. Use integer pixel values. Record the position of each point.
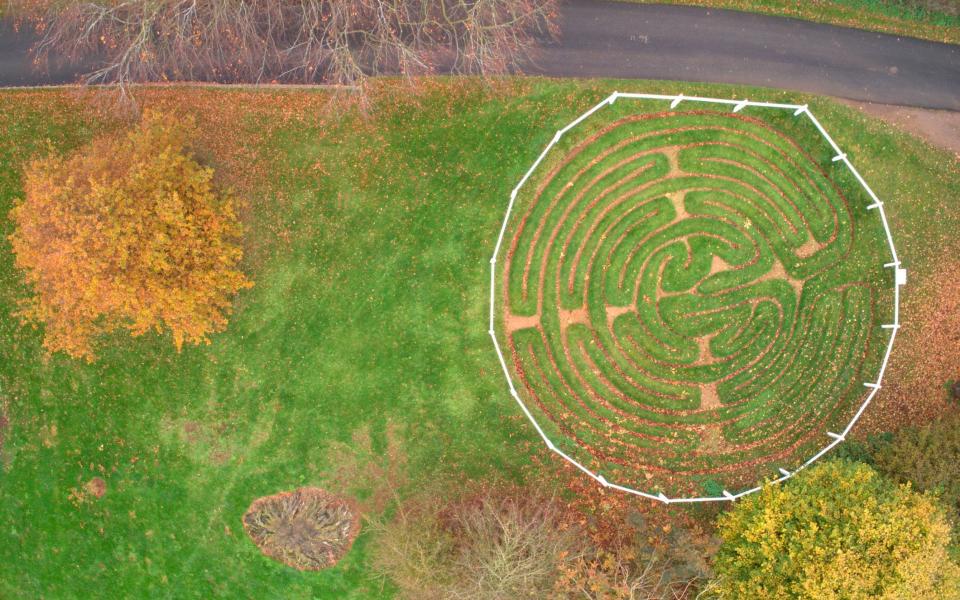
(677, 298)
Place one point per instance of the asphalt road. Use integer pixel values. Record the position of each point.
(611, 39)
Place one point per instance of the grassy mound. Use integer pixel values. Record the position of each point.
(694, 293)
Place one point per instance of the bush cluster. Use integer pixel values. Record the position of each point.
(496, 545)
(127, 233)
(928, 457)
(837, 530)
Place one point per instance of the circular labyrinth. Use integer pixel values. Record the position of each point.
(690, 299)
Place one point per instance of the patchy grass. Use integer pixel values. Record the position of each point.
(368, 241)
(937, 20)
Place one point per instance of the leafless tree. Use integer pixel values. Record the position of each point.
(332, 41)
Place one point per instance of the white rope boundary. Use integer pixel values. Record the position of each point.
(900, 279)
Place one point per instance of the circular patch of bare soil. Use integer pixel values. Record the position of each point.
(307, 529)
(96, 487)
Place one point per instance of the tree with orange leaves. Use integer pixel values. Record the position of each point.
(127, 233)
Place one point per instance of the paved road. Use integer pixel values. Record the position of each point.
(694, 44)
(17, 69)
(611, 39)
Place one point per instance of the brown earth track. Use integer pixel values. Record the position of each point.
(636, 300)
(586, 143)
(814, 302)
(734, 289)
(604, 456)
(568, 266)
(738, 447)
(726, 377)
(561, 423)
(859, 362)
(622, 198)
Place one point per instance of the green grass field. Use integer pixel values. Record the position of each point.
(694, 292)
(937, 20)
(362, 349)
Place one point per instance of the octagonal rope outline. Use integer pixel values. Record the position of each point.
(900, 279)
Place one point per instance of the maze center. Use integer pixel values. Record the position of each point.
(677, 297)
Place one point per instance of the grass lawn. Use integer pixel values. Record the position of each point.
(937, 20)
(360, 355)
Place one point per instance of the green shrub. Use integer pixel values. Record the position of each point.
(836, 530)
(712, 487)
(863, 451)
(928, 457)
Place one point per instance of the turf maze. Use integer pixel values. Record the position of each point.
(689, 299)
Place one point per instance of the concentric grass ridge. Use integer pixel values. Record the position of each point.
(689, 298)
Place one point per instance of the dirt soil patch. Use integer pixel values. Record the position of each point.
(4, 424)
(372, 477)
(925, 358)
(96, 487)
(939, 127)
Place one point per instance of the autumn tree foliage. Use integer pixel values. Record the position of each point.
(127, 233)
(837, 530)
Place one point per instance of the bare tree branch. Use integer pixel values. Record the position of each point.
(310, 41)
